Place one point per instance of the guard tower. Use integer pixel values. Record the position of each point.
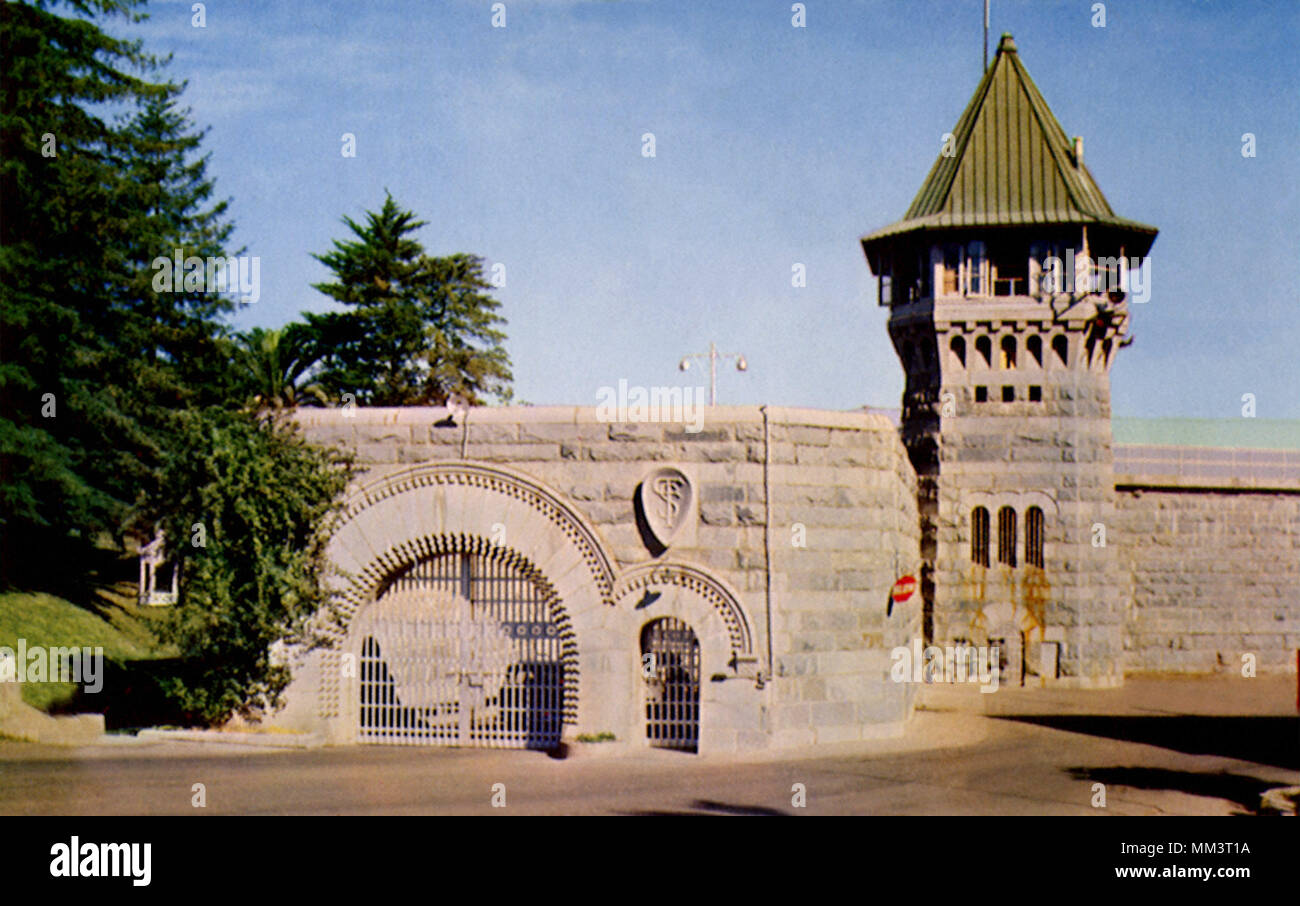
(1007, 287)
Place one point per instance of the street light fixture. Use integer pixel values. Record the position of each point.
(713, 355)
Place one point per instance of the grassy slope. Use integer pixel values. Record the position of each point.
(117, 626)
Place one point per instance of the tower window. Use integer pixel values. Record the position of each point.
(1061, 346)
(1007, 536)
(1035, 393)
(1008, 394)
(979, 536)
(1035, 346)
(958, 347)
(1034, 537)
(975, 268)
(951, 268)
(1008, 358)
(885, 282)
(981, 394)
(984, 346)
(1009, 269)
(1048, 268)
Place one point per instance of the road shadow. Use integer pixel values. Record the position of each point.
(708, 807)
(1236, 788)
(1264, 740)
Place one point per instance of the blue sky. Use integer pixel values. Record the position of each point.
(774, 145)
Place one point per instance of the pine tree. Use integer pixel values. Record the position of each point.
(93, 363)
(416, 329)
(120, 410)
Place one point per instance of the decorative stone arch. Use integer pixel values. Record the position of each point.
(391, 518)
(1020, 500)
(715, 614)
(506, 557)
(401, 518)
(724, 603)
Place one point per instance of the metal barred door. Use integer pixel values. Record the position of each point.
(461, 650)
(671, 653)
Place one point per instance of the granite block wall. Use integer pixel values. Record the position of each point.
(807, 515)
(1214, 574)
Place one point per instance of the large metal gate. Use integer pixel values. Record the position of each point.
(462, 650)
(670, 653)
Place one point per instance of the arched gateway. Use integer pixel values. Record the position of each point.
(479, 608)
(459, 586)
(466, 648)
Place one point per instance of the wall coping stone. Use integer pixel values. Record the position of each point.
(582, 415)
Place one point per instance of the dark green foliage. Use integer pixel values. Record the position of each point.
(248, 516)
(81, 330)
(273, 368)
(417, 329)
(144, 419)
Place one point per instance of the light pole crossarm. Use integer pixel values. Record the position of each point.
(713, 355)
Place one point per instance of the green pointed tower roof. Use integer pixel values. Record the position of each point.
(1011, 165)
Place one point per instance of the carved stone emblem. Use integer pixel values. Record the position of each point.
(666, 497)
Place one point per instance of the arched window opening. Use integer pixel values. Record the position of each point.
(979, 536)
(1035, 346)
(1007, 536)
(1034, 537)
(958, 347)
(984, 346)
(1008, 358)
(1061, 346)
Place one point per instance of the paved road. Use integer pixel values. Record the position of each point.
(953, 760)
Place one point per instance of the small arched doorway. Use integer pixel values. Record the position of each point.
(670, 658)
(465, 649)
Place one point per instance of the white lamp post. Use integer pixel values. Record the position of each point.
(713, 355)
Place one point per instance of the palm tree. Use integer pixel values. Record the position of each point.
(274, 367)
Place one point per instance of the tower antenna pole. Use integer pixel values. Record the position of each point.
(986, 35)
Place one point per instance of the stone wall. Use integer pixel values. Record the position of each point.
(844, 526)
(1213, 557)
(827, 498)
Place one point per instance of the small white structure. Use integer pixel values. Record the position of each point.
(151, 559)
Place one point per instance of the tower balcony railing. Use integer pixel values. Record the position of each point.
(1037, 286)
(1010, 286)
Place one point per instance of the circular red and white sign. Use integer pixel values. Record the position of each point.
(903, 589)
